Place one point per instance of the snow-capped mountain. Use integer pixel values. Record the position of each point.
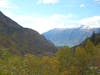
(70, 36)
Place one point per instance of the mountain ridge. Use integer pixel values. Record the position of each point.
(70, 36)
(20, 40)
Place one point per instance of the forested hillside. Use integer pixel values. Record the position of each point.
(82, 60)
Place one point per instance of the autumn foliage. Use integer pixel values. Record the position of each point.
(82, 60)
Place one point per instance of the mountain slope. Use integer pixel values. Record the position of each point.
(21, 40)
(95, 39)
(69, 36)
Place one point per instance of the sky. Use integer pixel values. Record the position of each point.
(43, 15)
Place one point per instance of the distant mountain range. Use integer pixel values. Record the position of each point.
(70, 36)
(19, 40)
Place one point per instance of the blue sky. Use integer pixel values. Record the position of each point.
(43, 15)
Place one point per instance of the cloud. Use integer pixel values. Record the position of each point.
(92, 22)
(7, 4)
(48, 1)
(40, 23)
(82, 5)
(43, 24)
(97, 1)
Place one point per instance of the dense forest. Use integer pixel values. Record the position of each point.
(81, 60)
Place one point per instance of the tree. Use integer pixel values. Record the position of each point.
(64, 57)
(82, 58)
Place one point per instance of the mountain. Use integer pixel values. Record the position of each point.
(70, 36)
(95, 39)
(20, 40)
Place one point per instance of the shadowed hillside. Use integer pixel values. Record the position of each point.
(21, 40)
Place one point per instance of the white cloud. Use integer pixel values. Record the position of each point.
(91, 21)
(43, 24)
(40, 23)
(4, 3)
(48, 1)
(82, 5)
(7, 4)
(97, 1)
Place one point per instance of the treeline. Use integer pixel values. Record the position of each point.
(82, 60)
